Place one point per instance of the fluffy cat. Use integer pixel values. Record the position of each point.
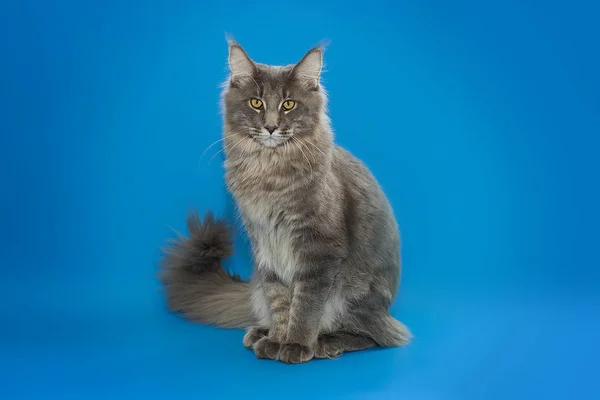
(325, 242)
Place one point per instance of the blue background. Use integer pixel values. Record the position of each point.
(480, 120)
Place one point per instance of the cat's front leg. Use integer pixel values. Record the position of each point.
(311, 289)
(278, 298)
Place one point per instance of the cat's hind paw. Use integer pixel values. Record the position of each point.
(266, 348)
(253, 335)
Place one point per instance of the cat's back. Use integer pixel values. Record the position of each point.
(356, 177)
(370, 226)
(368, 213)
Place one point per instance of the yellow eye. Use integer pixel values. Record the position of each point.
(288, 105)
(256, 103)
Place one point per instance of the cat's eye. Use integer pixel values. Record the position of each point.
(256, 104)
(288, 105)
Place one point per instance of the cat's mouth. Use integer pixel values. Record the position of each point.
(271, 141)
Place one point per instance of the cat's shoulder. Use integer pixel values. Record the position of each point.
(347, 161)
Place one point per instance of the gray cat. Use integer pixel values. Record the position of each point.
(325, 242)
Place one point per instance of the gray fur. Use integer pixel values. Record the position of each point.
(325, 241)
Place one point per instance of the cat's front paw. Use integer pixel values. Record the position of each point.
(266, 348)
(253, 335)
(294, 353)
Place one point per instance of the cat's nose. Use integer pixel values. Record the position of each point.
(271, 128)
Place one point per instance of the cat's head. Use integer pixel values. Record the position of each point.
(272, 104)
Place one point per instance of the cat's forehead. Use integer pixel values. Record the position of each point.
(273, 78)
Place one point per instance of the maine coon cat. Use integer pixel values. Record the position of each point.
(325, 242)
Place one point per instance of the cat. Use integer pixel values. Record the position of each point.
(325, 242)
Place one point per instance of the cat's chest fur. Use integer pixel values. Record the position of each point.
(270, 229)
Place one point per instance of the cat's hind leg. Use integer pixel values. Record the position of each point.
(333, 345)
(362, 331)
(253, 335)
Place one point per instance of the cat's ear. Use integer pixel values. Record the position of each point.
(240, 65)
(308, 70)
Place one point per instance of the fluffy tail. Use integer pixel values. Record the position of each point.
(389, 332)
(195, 281)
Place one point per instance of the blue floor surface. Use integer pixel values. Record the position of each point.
(464, 348)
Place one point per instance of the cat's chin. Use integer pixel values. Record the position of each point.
(271, 141)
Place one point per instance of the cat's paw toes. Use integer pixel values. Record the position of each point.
(328, 346)
(266, 348)
(253, 335)
(294, 353)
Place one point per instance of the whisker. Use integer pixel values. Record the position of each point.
(316, 147)
(226, 148)
(208, 148)
(246, 147)
(307, 160)
(307, 149)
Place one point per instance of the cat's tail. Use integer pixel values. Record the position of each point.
(195, 281)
